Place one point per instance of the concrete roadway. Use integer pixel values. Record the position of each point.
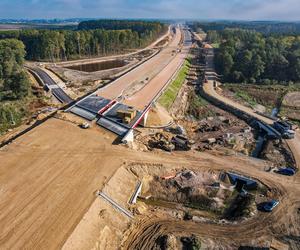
(148, 69)
(145, 96)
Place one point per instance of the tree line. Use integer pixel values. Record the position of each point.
(14, 83)
(56, 45)
(141, 27)
(251, 57)
(265, 27)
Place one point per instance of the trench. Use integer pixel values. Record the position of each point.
(99, 66)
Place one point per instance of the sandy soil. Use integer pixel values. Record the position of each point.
(260, 230)
(102, 226)
(292, 100)
(158, 116)
(48, 178)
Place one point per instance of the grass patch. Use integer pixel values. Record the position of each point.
(244, 96)
(198, 107)
(169, 96)
(11, 115)
(216, 45)
(269, 96)
(14, 113)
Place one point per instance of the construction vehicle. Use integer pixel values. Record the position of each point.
(285, 129)
(269, 206)
(84, 125)
(181, 142)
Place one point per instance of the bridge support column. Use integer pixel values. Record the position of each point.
(144, 120)
(129, 137)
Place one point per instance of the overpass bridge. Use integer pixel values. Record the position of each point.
(104, 104)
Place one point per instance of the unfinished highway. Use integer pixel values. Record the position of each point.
(49, 176)
(148, 93)
(136, 90)
(146, 71)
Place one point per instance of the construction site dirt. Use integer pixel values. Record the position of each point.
(67, 186)
(256, 231)
(207, 127)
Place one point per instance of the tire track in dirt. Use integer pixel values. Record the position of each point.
(262, 227)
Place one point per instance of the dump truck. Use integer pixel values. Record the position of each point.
(285, 129)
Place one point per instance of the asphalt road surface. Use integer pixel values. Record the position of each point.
(58, 92)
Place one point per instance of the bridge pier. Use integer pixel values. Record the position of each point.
(144, 120)
(129, 137)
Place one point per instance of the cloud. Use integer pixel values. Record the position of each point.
(267, 9)
(204, 9)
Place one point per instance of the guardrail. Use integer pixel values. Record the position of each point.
(115, 205)
(136, 192)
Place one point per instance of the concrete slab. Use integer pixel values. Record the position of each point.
(93, 103)
(112, 126)
(83, 113)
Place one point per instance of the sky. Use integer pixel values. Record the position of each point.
(196, 9)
